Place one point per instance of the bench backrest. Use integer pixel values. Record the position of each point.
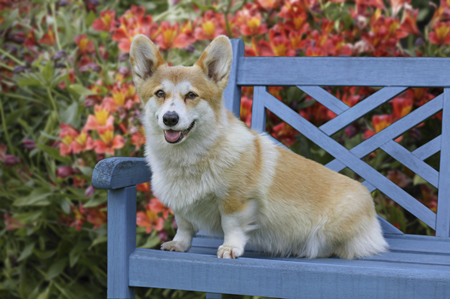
(395, 75)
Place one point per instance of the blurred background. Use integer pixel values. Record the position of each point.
(68, 101)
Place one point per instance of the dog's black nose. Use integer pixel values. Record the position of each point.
(170, 118)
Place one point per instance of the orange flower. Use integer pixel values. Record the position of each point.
(381, 121)
(401, 107)
(409, 21)
(84, 45)
(106, 21)
(96, 216)
(246, 110)
(108, 142)
(79, 216)
(211, 25)
(440, 34)
(138, 139)
(101, 118)
(279, 42)
(48, 38)
(249, 21)
(132, 23)
(284, 133)
(169, 36)
(150, 219)
(67, 134)
(144, 187)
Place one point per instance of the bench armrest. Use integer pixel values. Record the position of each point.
(115, 173)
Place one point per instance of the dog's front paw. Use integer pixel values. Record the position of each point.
(229, 252)
(174, 246)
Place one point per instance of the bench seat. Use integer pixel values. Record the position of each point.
(415, 267)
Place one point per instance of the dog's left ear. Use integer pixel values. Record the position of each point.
(216, 60)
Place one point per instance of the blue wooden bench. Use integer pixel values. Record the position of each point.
(415, 267)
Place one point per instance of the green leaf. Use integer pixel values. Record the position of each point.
(54, 153)
(10, 19)
(76, 252)
(38, 197)
(28, 81)
(28, 216)
(47, 72)
(65, 205)
(44, 294)
(80, 89)
(56, 269)
(27, 251)
(94, 202)
(98, 241)
(43, 255)
(90, 18)
(418, 180)
(70, 114)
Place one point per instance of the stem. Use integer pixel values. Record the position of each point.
(52, 6)
(11, 57)
(11, 148)
(6, 66)
(53, 103)
(227, 23)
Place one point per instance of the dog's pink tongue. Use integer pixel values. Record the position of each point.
(172, 136)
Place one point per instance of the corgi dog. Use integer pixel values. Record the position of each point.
(219, 176)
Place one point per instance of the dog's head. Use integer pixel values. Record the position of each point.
(179, 100)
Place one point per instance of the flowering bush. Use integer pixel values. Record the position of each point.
(68, 101)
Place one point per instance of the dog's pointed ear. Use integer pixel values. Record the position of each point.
(144, 58)
(216, 60)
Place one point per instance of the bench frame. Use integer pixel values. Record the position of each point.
(418, 266)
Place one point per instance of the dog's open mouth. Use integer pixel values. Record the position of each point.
(176, 136)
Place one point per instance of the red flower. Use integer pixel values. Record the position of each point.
(48, 38)
(97, 216)
(440, 34)
(84, 45)
(12, 224)
(106, 21)
(211, 26)
(401, 107)
(108, 142)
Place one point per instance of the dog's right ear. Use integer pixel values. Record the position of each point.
(144, 58)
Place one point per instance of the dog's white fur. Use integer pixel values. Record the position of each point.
(230, 181)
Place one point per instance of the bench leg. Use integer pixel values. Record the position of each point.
(121, 240)
(213, 296)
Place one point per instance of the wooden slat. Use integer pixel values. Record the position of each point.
(387, 227)
(316, 278)
(115, 173)
(232, 93)
(121, 240)
(397, 243)
(443, 209)
(344, 71)
(359, 110)
(405, 157)
(258, 109)
(428, 149)
(393, 131)
(342, 154)
(325, 98)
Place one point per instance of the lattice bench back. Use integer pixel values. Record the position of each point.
(395, 75)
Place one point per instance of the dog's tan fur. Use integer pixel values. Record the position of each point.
(231, 181)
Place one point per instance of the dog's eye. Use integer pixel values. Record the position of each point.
(191, 95)
(160, 94)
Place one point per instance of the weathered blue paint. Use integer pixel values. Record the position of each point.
(443, 210)
(232, 94)
(415, 267)
(121, 240)
(344, 71)
(114, 173)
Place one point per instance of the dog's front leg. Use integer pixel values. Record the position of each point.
(234, 236)
(183, 238)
